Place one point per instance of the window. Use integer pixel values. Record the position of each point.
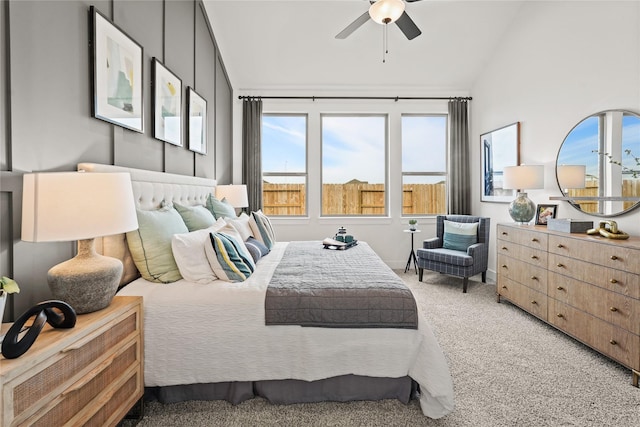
(354, 164)
(424, 164)
(284, 164)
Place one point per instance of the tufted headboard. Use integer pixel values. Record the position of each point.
(150, 189)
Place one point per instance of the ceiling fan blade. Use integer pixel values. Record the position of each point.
(353, 26)
(408, 27)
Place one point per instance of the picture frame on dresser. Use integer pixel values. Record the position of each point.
(196, 122)
(166, 103)
(116, 74)
(544, 212)
(499, 148)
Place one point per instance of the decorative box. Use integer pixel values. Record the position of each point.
(568, 225)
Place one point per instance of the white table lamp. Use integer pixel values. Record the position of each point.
(523, 177)
(236, 195)
(571, 176)
(67, 206)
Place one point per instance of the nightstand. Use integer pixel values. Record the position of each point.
(91, 374)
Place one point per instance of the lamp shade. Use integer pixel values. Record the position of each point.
(524, 177)
(66, 206)
(571, 176)
(236, 195)
(386, 11)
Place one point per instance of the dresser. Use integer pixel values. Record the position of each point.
(91, 374)
(586, 286)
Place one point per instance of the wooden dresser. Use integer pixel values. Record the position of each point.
(91, 374)
(586, 286)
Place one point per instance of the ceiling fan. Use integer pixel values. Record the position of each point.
(385, 12)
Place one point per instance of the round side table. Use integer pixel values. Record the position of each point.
(412, 255)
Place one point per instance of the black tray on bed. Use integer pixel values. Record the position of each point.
(330, 243)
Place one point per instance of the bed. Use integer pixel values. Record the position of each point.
(210, 341)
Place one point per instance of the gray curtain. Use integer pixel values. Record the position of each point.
(459, 175)
(251, 146)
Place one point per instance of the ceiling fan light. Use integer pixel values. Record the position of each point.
(386, 11)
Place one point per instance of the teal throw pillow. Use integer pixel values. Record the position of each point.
(195, 217)
(220, 208)
(229, 258)
(459, 235)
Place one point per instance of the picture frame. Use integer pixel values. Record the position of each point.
(544, 212)
(499, 148)
(197, 122)
(166, 103)
(117, 74)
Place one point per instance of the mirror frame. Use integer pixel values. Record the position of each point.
(509, 138)
(568, 199)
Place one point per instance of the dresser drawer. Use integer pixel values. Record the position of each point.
(611, 279)
(532, 276)
(601, 252)
(524, 253)
(611, 307)
(608, 339)
(526, 237)
(529, 299)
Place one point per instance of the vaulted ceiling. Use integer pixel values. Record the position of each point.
(291, 44)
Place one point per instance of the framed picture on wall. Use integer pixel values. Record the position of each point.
(544, 212)
(166, 103)
(499, 148)
(116, 64)
(197, 122)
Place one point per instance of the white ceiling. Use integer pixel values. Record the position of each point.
(280, 45)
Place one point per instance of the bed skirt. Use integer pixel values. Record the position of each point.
(338, 389)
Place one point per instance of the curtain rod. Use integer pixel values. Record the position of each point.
(393, 98)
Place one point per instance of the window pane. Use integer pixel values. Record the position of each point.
(353, 165)
(284, 165)
(424, 164)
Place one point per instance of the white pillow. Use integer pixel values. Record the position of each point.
(241, 224)
(189, 253)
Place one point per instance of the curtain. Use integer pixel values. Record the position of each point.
(459, 175)
(251, 146)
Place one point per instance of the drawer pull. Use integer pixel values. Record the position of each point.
(613, 309)
(560, 315)
(560, 265)
(504, 248)
(534, 302)
(560, 245)
(613, 281)
(534, 257)
(90, 376)
(613, 342)
(505, 266)
(504, 287)
(534, 240)
(534, 278)
(504, 233)
(560, 288)
(613, 257)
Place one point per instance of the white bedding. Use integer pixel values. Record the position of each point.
(201, 333)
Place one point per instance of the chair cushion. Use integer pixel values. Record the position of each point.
(459, 235)
(446, 256)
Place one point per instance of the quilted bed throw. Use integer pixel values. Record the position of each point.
(354, 288)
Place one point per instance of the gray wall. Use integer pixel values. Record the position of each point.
(45, 109)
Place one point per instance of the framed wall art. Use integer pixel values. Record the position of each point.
(166, 103)
(116, 63)
(544, 212)
(499, 148)
(197, 122)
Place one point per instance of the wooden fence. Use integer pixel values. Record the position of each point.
(353, 199)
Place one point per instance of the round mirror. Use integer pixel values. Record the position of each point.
(598, 164)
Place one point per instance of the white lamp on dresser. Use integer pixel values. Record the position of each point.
(67, 206)
(236, 195)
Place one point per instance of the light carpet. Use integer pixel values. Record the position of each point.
(508, 369)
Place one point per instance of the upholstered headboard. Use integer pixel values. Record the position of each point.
(150, 189)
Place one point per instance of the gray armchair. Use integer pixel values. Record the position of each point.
(433, 256)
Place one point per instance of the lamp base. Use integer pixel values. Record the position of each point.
(88, 282)
(522, 209)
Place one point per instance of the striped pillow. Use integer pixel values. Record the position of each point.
(228, 257)
(262, 229)
(459, 235)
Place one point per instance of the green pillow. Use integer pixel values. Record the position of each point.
(459, 235)
(195, 217)
(220, 208)
(150, 244)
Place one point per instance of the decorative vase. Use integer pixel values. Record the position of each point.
(412, 227)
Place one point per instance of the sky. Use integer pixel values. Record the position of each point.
(354, 147)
